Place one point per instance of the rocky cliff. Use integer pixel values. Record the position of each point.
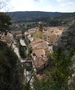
(67, 40)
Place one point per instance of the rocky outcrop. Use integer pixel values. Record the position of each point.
(67, 40)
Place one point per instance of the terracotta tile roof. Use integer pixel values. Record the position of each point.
(36, 41)
(4, 41)
(39, 44)
(39, 52)
(19, 36)
(47, 33)
(16, 32)
(40, 60)
(54, 29)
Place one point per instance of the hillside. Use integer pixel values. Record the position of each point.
(29, 15)
(25, 20)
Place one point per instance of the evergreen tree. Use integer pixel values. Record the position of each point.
(62, 70)
(4, 21)
(10, 69)
(58, 77)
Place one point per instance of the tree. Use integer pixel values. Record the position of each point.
(61, 71)
(5, 21)
(2, 4)
(10, 69)
(38, 34)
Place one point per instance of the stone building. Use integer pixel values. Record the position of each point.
(40, 61)
(50, 38)
(39, 44)
(40, 26)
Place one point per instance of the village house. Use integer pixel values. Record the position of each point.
(28, 38)
(39, 50)
(33, 33)
(39, 60)
(36, 29)
(40, 46)
(32, 30)
(7, 38)
(38, 43)
(51, 33)
(18, 34)
(50, 38)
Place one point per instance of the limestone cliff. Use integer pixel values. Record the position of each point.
(67, 40)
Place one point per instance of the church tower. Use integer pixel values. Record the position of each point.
(40, 26)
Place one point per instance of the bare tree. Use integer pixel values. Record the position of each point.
(3, 5)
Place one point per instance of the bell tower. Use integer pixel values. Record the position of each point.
(40, 26)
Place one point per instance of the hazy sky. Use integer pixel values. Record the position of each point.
(42, 5)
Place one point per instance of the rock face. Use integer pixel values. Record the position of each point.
(67, 40)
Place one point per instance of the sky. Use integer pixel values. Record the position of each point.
(41, 5)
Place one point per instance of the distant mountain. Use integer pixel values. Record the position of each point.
(29, 15)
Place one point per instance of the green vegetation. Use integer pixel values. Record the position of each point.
(26, 20)
(11, 72)
(62, 71)
(27, 87)
(38, 34)
(58, 76)
(4, 21)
